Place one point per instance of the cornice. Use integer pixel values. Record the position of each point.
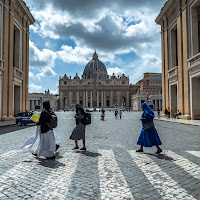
(31, 18)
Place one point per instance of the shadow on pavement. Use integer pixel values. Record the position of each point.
(12, 128)
(51, 163)
(161, 156)
(89, 153)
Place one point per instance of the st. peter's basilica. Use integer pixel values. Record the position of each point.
(96, 89)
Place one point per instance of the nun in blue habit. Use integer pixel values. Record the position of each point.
(148, 136)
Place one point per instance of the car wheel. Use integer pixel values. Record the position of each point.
(19, 123)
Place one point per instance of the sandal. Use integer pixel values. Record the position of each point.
(159, 151)
(139, 150)
(76, 148)
(57, 146)
(35, 154)
(83, 149)
(51, 157)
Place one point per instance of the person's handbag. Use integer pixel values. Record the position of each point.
(87, 118)
(148, 125)
(53, 121)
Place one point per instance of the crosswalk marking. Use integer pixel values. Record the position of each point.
(8, 155)
(111, 178)
(14, 175)
(56, 182)
(164, 184)
(59, 178)
(194, 153)
(185, 164)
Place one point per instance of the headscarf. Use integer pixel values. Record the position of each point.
(46, 105)
(79, 108)
(147, 110)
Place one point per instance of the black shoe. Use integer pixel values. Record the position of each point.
(139, 150)
(51, 157)
(159, 151)
(57, 146)
(75, 148)
(83, 149)
(35, 154)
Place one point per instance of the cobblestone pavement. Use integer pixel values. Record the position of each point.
(109, 169)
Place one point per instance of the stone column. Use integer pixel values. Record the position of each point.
(91, 99)
(180, 65)
(118, 99)
(61, 100)
(105, 99)
(97, 99)
(84, 103)
(111, 98)
(186, 84)
(10, 66)
(166, 68)
(86, 96)
(5, 56)
(102, 105)
(77, 97)
(70, 99)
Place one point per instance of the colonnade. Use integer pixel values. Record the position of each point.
(104, 98)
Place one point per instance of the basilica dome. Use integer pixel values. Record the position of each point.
(95, 66)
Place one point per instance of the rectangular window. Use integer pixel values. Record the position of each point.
(107, 93)
(88, 93)
(81, 93)
(17, 48)
(65, 82)
(174, 47)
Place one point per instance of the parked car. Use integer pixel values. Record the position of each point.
(23, 118)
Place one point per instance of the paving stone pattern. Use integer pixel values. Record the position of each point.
(109, 169)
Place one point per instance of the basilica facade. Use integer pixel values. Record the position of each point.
(96, 89)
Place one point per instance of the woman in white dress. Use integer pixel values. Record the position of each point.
(47, 145)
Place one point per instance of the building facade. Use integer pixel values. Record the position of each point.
(180, 33)
(36, 100)
(150, 91)
(96, 89)
(15, 19)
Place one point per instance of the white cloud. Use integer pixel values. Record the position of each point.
(112, 27)
(31, 75)
(34, 88)
(114, 70)
(54, 92)
(40, 59)
(46, 72)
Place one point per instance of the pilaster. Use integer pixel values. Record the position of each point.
(185, 63)
(166, 60)
(180, 65)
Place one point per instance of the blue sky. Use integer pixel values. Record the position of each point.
(67, 32)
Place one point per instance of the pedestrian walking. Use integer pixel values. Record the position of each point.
(116, 113)
(102, 114)
(168, 112)
(120, 114)
(158, 110)
(47, 144)
(148, 136)
(79, 131)
(177, 114)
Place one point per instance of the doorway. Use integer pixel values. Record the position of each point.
(17, 99)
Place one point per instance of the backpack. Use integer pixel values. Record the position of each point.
(87, 118)
(53, 122)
